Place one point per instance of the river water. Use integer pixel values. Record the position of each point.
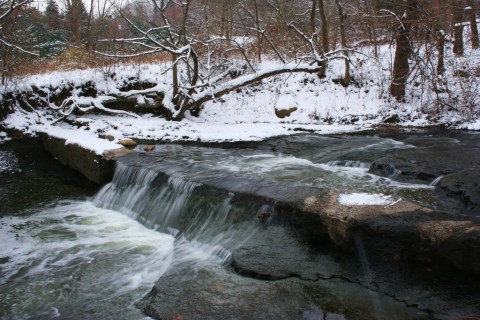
(183, 214)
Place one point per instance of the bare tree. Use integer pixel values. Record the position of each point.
(470, 11)
(197, 79)
(403, 50)
(10, 47)
(458, 12)
(343, 41)
(324, 26)
(7, 9)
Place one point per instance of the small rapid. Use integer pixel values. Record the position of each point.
(74, 258)
(207, 227)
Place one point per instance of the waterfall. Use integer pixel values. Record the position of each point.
(148, 196)
(349, 164)
(435, 181)
(198, 216)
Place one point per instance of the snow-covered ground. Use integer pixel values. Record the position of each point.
(322, 105)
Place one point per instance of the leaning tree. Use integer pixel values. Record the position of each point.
(204, 67)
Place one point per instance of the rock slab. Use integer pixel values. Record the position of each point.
(96, 168)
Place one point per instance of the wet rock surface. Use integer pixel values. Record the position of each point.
(463, 185)
(215, 293)
(378, 265)
(427, 163)
(311, 257)
(422, 257)
(96, 168)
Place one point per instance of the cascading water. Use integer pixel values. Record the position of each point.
(153, 225)
(200, 219)
(98, 257)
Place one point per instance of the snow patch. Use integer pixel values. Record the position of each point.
(365, 199)
(82, 138)
(473, 125)
(4, 137)
(285, 102)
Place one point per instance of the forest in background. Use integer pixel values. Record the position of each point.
(210, 40)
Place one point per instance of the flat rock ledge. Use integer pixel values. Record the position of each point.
(422, 231)
(95, 167)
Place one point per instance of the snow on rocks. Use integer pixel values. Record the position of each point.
(365, 199)
(4, 137)
(83, 139)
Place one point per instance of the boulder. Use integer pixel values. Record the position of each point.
(422, 232)
(285, 106)
(284, 113)
(149, 148)
(464, 185)
(129, 143)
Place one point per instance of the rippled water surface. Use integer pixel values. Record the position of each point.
(182, 214)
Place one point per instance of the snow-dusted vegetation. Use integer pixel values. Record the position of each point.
(270, 68)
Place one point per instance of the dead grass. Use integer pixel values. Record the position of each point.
(80, 59)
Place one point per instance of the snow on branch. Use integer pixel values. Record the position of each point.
(12, 6)
(214, 92)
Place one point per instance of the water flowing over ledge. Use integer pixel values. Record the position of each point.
(235, 228)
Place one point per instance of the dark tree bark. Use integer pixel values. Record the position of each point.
(458, 27)
(441, 51)
(473, 24)
(324, 26)
(312, 17)
(401, 67)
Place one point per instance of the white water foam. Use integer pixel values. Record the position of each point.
(262, 163)
(75, 248)
(435, 181)
(351, 170)
(183, 185)
(72, 246)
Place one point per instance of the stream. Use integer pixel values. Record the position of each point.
(177, 233)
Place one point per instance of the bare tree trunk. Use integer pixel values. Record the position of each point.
(324, 30)
(343, 41)
(401, 67)
(369, 7)
(89, 43)
(458, 28)
(470, 11)
(312, 17)
(441, 51)
(75, 10)
(259, 36)
(175, 79)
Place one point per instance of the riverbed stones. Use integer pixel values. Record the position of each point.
(149, 148)
(127, 142)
